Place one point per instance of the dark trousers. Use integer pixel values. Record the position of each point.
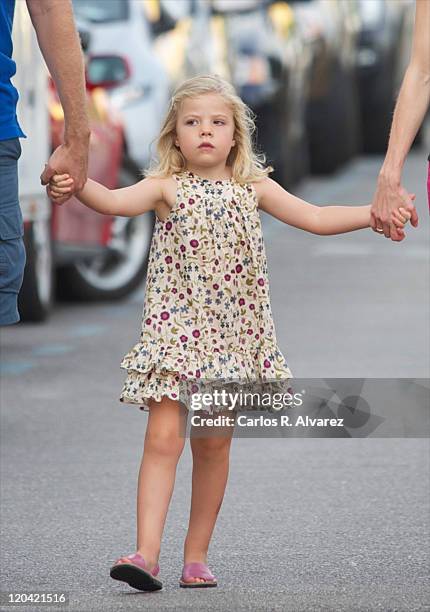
(12, 250)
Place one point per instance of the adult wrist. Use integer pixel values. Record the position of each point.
(80, 137)
(390, 175)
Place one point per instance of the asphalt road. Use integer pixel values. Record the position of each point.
(306, 524)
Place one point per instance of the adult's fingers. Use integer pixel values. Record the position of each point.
(386, 226)
(62, 199)
(47, 174)
(396, 234)
(374, 221)
(413, 212)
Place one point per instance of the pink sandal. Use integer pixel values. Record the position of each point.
(197, 570)
(136, 573)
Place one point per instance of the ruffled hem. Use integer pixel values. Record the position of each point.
(139, 388)
(264, 362)
(156, 370)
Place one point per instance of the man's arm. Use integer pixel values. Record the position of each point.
(60, 46)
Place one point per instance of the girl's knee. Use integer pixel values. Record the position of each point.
(209, 448)
(165, 424)
(164, 442)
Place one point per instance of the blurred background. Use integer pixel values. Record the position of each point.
(322, 77)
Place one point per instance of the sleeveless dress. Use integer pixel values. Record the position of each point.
(206, 312)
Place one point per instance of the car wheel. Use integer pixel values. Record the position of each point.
(36, 294)
(120, 268)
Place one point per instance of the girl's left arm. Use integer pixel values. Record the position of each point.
(321, 220)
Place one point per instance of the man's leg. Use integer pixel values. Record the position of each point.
(12, 250)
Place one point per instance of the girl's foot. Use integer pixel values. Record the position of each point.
(149, 564)
(139, 574)
(196, 574)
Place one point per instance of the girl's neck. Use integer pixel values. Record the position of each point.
(215, 174)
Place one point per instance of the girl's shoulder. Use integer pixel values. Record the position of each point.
(168, 186)
(260, 187)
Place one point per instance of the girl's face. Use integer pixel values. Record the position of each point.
(205, 119)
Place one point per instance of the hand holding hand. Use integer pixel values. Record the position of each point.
(71, 158)
(60, 185)
(399, 218)
(388, 199)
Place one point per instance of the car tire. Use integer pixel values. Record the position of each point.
(36, 295)
(84, 281)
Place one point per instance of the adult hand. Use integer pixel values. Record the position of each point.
(71, 158)
(389, 197)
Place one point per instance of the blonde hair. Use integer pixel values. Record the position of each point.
(246, 164)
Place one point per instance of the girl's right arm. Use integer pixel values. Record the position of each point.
(125, 202)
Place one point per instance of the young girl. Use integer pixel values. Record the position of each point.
(207, 304)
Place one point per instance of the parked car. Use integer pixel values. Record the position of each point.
(330, 29)
(36, 296)
(98, 257)
(121, 27)
(269, 72)
(239, 40)
(383, 52)
(298, 58)
(93, 256)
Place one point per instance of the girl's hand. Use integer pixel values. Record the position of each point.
(400, 217)
(59, 185)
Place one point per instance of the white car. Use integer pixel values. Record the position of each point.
(121, 28)
(31, 80)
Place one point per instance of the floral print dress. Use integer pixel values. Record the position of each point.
(207, 312)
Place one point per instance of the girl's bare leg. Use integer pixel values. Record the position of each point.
(210, 474)
(162, 450)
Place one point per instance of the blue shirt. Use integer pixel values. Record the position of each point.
(9, 126)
